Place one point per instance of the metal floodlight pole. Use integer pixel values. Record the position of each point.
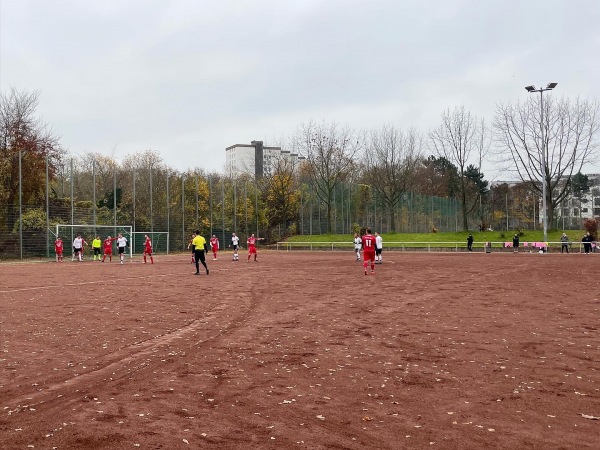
(210, 201)
(544, 205)
(115, 195)
(235, 204)
(168, 208)
(151, 200)
(223, 207)
(183, 211)
(72, 213)
(197, 200)
(94, 193)
(532, 89)
(133, 182)
(256, 206)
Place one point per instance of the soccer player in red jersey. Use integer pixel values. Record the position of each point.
(252, 246)
(193, 249)
(368, 245)
(108, 247)
(148, 249)
(214, 245)
(58, 249)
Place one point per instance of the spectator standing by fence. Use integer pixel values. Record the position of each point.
(515, 243)
(587, 242)
(470, 242)
(564, 243)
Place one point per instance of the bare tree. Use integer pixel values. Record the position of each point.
(21, 132)
(462, 139)
(392, 158)
(330, 152)
(569, 129)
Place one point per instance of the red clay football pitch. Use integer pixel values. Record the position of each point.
(302, 351)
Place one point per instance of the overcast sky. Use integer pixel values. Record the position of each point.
(189, 77)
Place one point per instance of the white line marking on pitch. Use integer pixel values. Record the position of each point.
(53, 286)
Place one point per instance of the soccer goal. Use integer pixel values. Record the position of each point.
(160, 242)
(89, 232)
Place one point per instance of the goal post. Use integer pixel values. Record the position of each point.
(69, 232)
(160, 242)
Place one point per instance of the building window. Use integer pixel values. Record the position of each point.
(584, 210)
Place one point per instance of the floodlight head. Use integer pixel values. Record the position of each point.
(551, 85)
(530, 88)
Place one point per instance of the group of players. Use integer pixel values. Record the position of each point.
(372, 247)
(100, 249)
(199, 247)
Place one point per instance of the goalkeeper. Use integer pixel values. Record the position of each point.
(97, 248)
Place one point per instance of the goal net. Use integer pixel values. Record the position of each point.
(88, 232)
(160, 242)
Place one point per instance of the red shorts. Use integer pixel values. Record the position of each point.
(251, 249)
(108, 251)
(58, 252)
(369, 256)
(148, 251)
(215, 249)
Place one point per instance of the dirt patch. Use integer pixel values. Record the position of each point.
(302, 350)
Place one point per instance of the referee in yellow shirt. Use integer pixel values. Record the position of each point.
(199, 245)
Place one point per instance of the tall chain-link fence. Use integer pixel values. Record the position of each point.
(156, 200)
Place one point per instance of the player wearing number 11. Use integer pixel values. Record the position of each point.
(368, 245)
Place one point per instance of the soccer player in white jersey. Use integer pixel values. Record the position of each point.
(78, 248)
(235, 243)
(378, 248)
(122, 244)
(357, 245)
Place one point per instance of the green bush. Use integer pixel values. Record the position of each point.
(33, 220)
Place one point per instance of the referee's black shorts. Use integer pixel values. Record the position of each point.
(199, 255)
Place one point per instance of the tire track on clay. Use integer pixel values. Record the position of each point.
(329, 433)
(128, 354)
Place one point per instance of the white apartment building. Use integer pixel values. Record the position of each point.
(255, 159)
(572, 211)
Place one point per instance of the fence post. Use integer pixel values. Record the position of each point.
(47, 211)
(20, 207)
(183, 211)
